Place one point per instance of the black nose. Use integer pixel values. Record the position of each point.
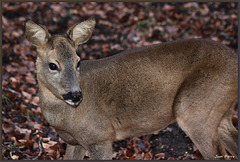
(74, 97)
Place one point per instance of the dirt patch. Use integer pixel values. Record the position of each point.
(173, 142)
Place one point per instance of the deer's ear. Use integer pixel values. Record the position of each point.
(81, 32)
(36, 34)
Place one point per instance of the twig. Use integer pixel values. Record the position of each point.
(13, 91)
(40, 148)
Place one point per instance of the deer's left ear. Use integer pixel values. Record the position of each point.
(81, 32)
(36, 34)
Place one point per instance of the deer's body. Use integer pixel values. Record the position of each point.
(141, 91)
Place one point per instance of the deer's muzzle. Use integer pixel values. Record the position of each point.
(73, 98)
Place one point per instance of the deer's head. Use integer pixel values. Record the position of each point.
(58, 65)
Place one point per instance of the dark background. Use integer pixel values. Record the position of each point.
(120, 26)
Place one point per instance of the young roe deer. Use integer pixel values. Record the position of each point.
(137, 92)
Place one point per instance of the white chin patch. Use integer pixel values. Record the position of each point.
(74, 104)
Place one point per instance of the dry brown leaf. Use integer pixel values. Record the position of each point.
(27, 95)
(159, 156)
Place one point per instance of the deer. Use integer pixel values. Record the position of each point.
(93, 103)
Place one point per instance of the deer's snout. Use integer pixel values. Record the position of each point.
(73, 98)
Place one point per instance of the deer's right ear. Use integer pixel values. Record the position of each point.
(36, 34)
(81, 32)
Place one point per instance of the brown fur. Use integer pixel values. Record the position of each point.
(137, 92)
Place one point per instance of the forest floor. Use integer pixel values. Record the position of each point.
(25, 133)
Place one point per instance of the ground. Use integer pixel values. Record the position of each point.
(120, 26)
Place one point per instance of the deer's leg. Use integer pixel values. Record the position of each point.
(74, 152)
(199, 108)
(102, 151)
(228, 133)
(204, 136)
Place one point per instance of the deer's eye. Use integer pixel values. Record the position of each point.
(53, 66)
(78, 64)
